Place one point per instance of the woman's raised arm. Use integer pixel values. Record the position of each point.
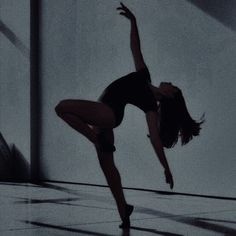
(134, 38)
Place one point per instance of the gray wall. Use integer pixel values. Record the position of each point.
(15, 73)
(85, 46)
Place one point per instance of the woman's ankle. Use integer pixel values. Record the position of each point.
(103, 145)
(126, 218)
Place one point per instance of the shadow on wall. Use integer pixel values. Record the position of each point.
(223, 11)
(13, 165)
(11, 36)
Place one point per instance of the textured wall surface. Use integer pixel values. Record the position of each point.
(85, 46)
(15, 74)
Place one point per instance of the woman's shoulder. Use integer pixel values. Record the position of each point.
(143, 73)
(143, 69)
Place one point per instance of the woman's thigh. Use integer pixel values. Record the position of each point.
(93, 113)
(108, 133)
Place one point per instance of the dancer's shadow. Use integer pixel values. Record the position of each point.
(126, 232)
(57, 188)
(42, 201)
(65, 229)
(85, 195)
(217, 220)
(87, 232)
(198, 222)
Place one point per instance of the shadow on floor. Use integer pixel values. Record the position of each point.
(217, 220)
(40, 201)
(209, 224)
(22, 184)
(155, 231)
(60, 201)
(79, 193)
(65, 229)
(190, 220)
(202, 223)
(86, 232)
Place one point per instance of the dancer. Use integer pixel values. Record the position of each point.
(166, 115)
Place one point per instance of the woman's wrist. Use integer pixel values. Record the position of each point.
(133, 20)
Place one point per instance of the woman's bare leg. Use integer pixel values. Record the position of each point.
(80, 114)
(112, 174)
(91, 118)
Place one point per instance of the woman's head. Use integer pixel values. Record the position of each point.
(167, 89)
(175, 120)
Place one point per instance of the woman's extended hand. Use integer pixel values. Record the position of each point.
(169, 178)
(126, 12)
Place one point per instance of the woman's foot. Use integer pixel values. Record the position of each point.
(126, 221)
(103, 144)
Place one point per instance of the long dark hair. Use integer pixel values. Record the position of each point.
(175, 121)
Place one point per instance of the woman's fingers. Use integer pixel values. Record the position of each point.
(125, 14)
(170, 182)
(169, 179)
(123, 5)
(122, 10)
(125, 9)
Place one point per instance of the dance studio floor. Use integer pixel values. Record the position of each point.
(75, 209)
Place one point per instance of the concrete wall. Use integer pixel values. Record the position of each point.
(85, 46)
(15, 74)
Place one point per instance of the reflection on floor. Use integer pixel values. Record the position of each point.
(64, 209)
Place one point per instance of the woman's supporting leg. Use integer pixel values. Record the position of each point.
(90, 118)
(114, 180)
(112, 175)
(80, 114)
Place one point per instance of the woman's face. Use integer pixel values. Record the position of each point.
(167, 89)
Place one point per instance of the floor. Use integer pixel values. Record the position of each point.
(74, 209)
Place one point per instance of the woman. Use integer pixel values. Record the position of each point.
(166, 114)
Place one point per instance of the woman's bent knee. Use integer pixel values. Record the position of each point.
(64, 106)
(60, 107)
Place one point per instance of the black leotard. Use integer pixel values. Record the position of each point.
(132, 88)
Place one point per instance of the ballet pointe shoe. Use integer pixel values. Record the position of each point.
(126, 221)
